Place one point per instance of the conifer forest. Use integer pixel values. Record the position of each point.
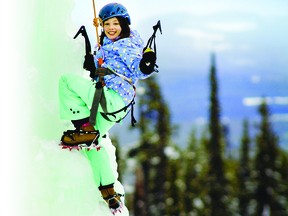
(204, 178)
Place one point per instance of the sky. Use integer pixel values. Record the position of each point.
(249, 39)
(248, 29)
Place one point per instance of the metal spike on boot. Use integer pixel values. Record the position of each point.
(112, 198)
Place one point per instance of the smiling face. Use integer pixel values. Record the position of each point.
(112, 28)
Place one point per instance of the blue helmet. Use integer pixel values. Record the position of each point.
(112, 10)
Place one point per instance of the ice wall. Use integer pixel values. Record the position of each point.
(38, 178)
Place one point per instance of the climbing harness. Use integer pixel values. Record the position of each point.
(99, 98)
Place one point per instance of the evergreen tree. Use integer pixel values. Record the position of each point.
(282, 166)
(244, 171)
(194, 166)
(267, 194)
(226, 134)
(216, 178)
(190, 160)
(140, 206)
(155, 131)
(174, 184)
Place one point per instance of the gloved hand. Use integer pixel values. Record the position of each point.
(97, 21)
(89, 65)
(148, 61)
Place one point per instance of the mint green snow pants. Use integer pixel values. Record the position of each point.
(76, 96)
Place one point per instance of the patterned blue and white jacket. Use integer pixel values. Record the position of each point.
(122, 56)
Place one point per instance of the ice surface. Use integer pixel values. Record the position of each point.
(61, 183)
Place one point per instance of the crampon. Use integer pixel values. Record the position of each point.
(115, 204)
(80, 147)
(80, 139)
(112, 198)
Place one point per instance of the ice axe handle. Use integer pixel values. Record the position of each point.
(152, 38)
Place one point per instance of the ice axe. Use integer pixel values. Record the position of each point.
(82, 31)
(148, 48)
(152, 38)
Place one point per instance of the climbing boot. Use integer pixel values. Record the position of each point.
(112, 198)
(86, 134)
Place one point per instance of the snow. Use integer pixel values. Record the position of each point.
(61, 183)
(37, 176)
(53, 181)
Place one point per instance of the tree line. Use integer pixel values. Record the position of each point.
(202, 179)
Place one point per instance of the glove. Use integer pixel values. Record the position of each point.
(148, 61)
(89, 65)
